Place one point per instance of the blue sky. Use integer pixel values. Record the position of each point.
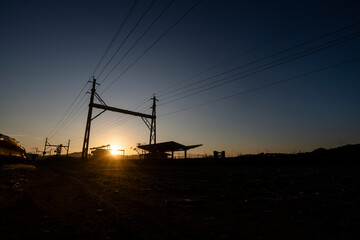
(50, 49)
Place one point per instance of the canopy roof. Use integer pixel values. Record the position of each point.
(167, 147)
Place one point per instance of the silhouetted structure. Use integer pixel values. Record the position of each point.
(151, 125)
(160, 150)
(102, 151)
(219, 154)
(58, 148)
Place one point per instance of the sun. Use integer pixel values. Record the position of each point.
(115, 150)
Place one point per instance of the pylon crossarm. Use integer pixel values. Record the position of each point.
(113, 109)
(98, 115)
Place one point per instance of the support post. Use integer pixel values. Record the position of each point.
(44, 152)
(152, 139)
(67, 152)
(85, 149)
(153, 122)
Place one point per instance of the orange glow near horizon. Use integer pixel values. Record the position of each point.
(115, 150)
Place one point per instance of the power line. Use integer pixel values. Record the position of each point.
(264, 58)
(77, 114)
(125, 120)
(62, 118)
(115, 36)
(153, 44)
(126, 38)
(323, 45)
(262, 44)
(266, 66)
(150, 26)
(155, 41)
(304, 26)
(266, 85)
(57, 127)
(116, 122)
(112, 126)
(69, 117)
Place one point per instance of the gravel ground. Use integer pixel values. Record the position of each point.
(179, 199)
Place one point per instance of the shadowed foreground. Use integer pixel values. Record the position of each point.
(201, 199)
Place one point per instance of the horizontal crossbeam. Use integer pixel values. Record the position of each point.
(113, 109)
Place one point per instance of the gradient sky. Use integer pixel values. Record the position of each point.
(49, 50)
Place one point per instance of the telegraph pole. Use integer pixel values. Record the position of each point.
(153, 122)
(85, 149)
(44, 152)
(67, 150)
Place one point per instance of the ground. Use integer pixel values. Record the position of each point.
(177, 199)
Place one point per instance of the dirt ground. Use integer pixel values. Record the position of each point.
(192, 199)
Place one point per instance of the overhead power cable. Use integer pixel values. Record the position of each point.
(70, 117)
(266, 85)
(115, 36)
(137, 41)
(119, 120)
(66, 112)
(56, 128)
(109, 127)
(77, 114)
(261, 45)
(126, 38)
(265, 67)
(153, 44)
(113, 125)
(264, 58)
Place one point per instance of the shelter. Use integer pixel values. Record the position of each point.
(159, 150)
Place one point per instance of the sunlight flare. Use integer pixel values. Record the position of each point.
(115, 150)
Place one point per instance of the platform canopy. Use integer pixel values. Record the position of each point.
(167, 147)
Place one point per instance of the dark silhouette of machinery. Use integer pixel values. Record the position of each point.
(102, 151)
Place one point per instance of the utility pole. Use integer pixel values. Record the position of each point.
(44, 152)
(153, 122)
(85, 149)
(67, 149)
(151, 125)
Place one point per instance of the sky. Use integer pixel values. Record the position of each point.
(236, 76)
